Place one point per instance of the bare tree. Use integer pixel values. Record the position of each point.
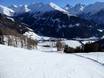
(59, 45)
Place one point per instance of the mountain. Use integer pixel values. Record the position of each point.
(40, 7)
(86, 9)
(68, 7)
(20, 9)
(94, 12)
(98, 17)
(52, 20)
(59, 24)
(94, 8)
(9, 23)
(77, 9)
(36, 8)
(6, 11)
(16, 34)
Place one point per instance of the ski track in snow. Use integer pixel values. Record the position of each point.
(94, 60)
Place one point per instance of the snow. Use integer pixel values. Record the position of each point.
(36, 8)
(45, 38)
(21, 63)
(100, 30)
(20, 9)
(98, 56)
(102, 37)
(53, 5)
(6, 11)
(78, 24)
(72, 43)
(32, 35)
(87, 9)
(47, 49)
(74, 10)
(41, 7)
(93, 38)
(77, 9)
(10, 18)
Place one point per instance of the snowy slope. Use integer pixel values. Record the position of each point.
(21, 63)
(72, 43)
(56, 7)
(98, 56)
(6, 11)
(31, 34)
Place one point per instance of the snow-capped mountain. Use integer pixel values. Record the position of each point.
(68, 7)
(20, 9)
(6, 11)
(37, 8)
(42, 8)
(33, 8)
(94, 12)
(56, 7)
(90, 9)
(94, 8)
(59, 24)
(52, 20)
(77, 9)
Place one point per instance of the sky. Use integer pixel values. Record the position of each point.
(58, 2)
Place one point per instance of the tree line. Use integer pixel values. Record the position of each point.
(12, 38)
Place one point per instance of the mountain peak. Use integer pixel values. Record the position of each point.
(20, 9)
(25, 8)
(68, 7)
(79, 7)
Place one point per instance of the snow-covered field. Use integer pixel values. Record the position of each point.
(98, 56)
(21, 63)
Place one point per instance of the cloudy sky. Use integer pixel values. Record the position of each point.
(59, 2)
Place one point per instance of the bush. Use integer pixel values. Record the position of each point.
(68, 49)
(91, 47)
(78, 49)
(46, 45)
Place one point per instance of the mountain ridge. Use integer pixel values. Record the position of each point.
(52, 20)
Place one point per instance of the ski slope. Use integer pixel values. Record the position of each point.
(21, 63)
